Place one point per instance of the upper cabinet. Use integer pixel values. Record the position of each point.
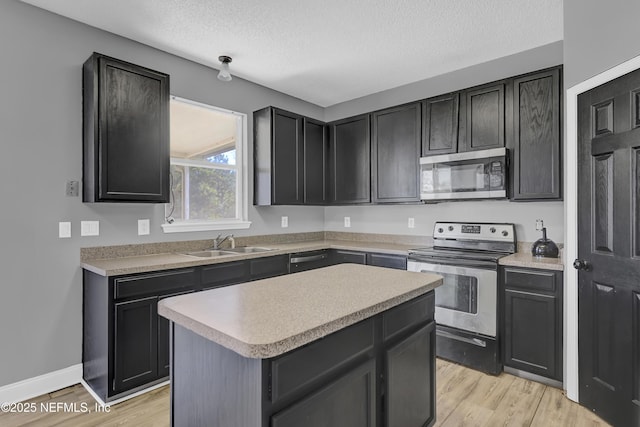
(316, 146)
(349, 160)
(484, 118)
(290, 155)
(395, 151)
(440, 123)
(125, 132)
(537, 139)
(278, 157)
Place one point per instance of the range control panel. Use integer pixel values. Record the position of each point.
(494, 232)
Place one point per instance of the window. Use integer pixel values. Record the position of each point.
(208, 168)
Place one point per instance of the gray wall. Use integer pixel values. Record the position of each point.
(41, 134)
(393, 219)
(598, 35)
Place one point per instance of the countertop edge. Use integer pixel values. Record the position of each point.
(526, 260)
(270, 350)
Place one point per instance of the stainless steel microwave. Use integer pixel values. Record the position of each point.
(461, 176)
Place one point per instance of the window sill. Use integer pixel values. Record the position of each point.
(185, 227)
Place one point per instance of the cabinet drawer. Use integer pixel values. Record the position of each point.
(304, 366)
(155, 284)
(228, 273)
(341, 257)
(407, 315)
(398, 262)
(530, 280)
(261, 268)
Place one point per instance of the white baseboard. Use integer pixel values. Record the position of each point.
(37, 386)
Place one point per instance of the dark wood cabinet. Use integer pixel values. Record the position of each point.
(125, 132)
(537, 141)
(278, 157)
(410, 398)
(484, 117)
(533, 321)
(349, 160)
(395, 153)
(316, 151)
(440, 123)
(136, 344)
(125, 342)
(223, 274)
(349, 401)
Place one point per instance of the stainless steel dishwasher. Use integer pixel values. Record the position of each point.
(303, 261)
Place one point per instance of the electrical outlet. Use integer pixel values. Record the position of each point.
(143, 227)
(89, 228)
(284, 221)
(72, 188)
(411, 223)
(347, 221)
(64, 230)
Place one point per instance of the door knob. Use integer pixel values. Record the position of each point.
(581, 264)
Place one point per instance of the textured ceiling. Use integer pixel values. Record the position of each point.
(328, 51)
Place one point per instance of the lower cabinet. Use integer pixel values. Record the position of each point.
(409, 393)
(126, 343)
(533, 321)
(348, 402)
(135, 343)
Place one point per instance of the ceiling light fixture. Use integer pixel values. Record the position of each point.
(224, 73)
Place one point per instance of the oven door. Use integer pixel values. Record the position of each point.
(468, 297)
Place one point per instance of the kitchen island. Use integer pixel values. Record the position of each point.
(347, 345)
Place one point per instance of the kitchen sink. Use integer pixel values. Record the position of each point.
(248, 250)
(210, 254)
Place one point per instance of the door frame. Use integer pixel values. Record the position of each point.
(571, 218)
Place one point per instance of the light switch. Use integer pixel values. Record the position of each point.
(89, 228)
(411, 223)
(64, 230)
(347, 221)
(284, 221)
(143, 227)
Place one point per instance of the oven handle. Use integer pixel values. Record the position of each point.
(457, 262)
(474, 341)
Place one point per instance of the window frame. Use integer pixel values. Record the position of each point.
(242, 184)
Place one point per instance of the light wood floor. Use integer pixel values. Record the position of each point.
(464, 398)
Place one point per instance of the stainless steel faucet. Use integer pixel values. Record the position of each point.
(220, 240)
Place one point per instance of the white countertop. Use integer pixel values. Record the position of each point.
(269, 317)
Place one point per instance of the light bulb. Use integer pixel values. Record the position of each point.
(224, 73)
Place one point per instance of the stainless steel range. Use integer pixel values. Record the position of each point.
(466, 255)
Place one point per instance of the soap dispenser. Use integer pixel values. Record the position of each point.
(544, 247)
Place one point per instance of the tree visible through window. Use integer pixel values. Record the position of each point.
(205, 173)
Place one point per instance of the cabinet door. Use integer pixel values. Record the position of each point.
(135, 343)
(386, 260)
(126, 132)
(410, 380)
(440, 123)
(349, 160)
(537, 136)
(287, 169)
(531, 331)
(315, 162)
(348, 402)
(485, 114)
(395, 151)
